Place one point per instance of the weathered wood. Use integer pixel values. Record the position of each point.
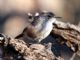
(32, 52)
(69, 32)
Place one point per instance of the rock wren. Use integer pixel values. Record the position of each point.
(41, 26)
(35, 31)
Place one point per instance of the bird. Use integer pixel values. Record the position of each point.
(40, 28)
(32, 32)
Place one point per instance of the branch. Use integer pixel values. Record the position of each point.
(69, 33)
(33, 52)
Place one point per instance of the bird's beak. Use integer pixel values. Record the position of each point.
(57, 17)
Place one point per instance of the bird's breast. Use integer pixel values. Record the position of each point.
(45, 31)
(40, 32)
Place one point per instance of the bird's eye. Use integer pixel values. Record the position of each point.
(47, 14)
(50, 14)
(30, 17)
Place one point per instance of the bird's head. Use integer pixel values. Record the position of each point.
(43, 17)
(48, 16)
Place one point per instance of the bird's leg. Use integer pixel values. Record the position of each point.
(38, 41)
(73, 56)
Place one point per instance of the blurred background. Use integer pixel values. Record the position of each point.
(69, 10)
